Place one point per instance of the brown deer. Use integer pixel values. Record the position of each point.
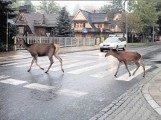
(124, 57)
(38, 49)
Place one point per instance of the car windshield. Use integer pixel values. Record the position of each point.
(111, 40)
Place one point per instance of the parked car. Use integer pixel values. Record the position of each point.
(115, 43)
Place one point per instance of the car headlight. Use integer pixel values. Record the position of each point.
(101, 45)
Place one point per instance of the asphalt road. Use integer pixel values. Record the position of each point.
(86, 87)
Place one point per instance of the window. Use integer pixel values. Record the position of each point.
(99, 25)
(84, 25)
(79, 25)
(21, 30)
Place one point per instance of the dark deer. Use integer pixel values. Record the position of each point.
(38, 49)
(124, 57)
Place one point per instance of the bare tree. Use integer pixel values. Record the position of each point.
(49, 7)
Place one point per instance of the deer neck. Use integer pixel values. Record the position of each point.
(115, 54)
(26, 45)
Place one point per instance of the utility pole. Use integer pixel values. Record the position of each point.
(7, 34)
(153, 34)
(126, 20)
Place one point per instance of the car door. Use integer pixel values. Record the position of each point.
(122, 42)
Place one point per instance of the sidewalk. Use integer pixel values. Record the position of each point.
(23, 54)
(141, 102)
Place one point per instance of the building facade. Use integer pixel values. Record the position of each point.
(87, 24)
(35, 24)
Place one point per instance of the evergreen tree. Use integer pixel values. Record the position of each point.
(63, 25)
(5, 10)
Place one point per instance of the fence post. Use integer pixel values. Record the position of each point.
(89, 42)
(65, 42)
(40, 39)
(71, 41)
(78, 42)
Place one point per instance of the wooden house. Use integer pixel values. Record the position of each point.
(87, 24)
(35, 24)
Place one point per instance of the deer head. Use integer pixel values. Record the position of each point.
(109, 52)
(20, 42)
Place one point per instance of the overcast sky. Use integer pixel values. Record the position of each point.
(73, 5)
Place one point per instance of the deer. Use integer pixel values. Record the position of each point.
(124, 57)
(41, 49)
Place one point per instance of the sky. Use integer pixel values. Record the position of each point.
(73, 5)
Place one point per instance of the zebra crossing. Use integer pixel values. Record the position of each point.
(89, 67)
(40, 87)
(76, 67)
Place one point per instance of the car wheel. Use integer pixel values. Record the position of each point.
(124, 48)
(101, 50)
(117, 49)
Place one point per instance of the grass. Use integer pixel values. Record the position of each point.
(138, 44)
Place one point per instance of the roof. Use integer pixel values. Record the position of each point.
(94, 17)
(46, 20)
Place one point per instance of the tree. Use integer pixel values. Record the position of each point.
(6, 12)
(63, 25)
(159, 20)
(49, 7)
(112, 9)
(147, 14)
(28, 2)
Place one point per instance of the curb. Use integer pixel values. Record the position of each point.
(146, 94)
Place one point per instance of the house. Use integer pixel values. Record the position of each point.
(87, 24)
(84, 24)
(36, 24)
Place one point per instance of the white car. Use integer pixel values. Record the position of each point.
(115, 43)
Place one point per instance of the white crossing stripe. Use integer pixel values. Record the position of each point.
(43, 63)
(85, 69)
(72, 65)
(72, 93)
(57, 63)
(4, 76)
(104, 73)
(125, 77)
(13, 81)
(16, 63)
(38, 86)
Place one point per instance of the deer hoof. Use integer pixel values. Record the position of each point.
(46, 72)
(62, 70)
(42, 68)
(115, 75)
(28, 70)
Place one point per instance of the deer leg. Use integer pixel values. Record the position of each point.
(127, 68)
(60, 60)
(117, 69)
(31, 64)
(138, 65)
(51, 62)
(143, 68)
(38, 64)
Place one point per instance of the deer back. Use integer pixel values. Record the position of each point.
(42, 49)
(128, 56)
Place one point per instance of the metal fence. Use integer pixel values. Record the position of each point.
(62, 41)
